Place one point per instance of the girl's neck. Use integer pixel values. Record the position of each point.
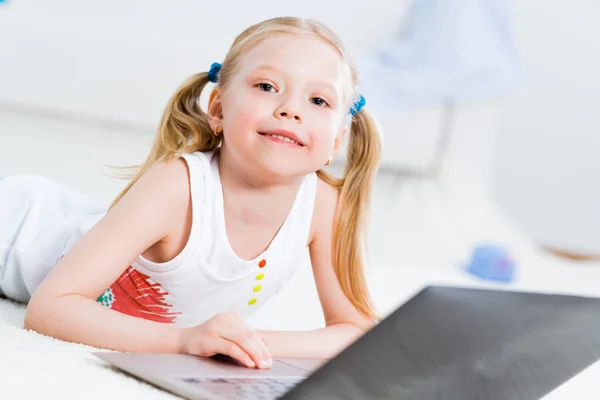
(239, 178)
(249, 198)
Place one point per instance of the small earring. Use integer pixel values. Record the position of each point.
(217, 130)
(328, 161)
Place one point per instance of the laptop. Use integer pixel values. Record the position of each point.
(217, 377)
(443, 343)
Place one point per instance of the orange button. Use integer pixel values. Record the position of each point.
(262, 263)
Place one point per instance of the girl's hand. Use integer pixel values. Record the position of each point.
(227, 334)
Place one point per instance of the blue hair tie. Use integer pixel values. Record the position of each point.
(360, 103)
(213, 73)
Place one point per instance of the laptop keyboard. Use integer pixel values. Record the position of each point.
(246, 388)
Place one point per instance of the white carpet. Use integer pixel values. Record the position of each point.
(33, 366)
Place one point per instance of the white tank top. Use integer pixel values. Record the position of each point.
(207, 277)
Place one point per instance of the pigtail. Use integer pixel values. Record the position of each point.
(350, 224)
(184, 128)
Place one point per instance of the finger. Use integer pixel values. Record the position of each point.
(247, 338)
(259, 342)
(261, 345)
(244, 339)
(264, 349)
(234, 351)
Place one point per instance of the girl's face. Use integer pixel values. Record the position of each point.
(284, 111)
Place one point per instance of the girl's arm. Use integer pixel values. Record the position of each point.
(65, 307)
(344, 324)
(157, 208)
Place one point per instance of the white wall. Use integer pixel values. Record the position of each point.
(547, 163)
(123, 59)
(120, 61)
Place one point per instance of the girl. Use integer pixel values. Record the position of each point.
(211, 225)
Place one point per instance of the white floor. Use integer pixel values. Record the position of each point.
(76, 155)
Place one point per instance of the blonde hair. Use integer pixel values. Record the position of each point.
(184, 128)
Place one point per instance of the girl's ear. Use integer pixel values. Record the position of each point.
(339, 139)
(215, 109)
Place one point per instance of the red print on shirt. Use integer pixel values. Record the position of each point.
(134, 295)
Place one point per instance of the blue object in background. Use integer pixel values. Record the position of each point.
(445, 50)
(491, 262)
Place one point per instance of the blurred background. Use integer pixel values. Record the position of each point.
(487, 107)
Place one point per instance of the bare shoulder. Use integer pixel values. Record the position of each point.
(162, 192)
(168, 179)
(326, 203)
(164, 183)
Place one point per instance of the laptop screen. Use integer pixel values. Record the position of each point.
(460, 343)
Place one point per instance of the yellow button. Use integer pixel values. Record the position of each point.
(260, 276)
(252, 301)
(257, 288)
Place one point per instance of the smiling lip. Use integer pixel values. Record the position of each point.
(284, 133)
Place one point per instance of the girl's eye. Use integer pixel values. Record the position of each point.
(319, 102)
(265, 87)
